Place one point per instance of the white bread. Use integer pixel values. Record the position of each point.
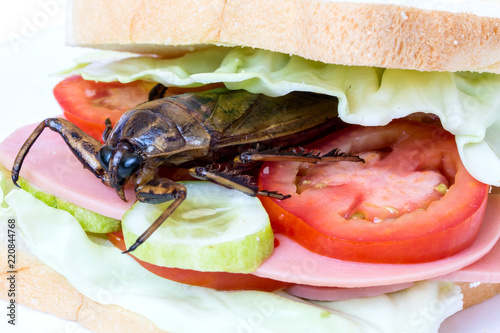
(390, 36)
(40, 287)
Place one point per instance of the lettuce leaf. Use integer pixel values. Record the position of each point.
(99, 271)
(467, 103)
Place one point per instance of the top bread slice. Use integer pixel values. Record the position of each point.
(381, 35)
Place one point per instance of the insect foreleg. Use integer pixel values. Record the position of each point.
(156, 191)
(83, 146)
(234, 181)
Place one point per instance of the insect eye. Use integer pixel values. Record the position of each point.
(104, 156)
(129, 163)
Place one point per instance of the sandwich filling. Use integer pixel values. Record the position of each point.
(466, 104)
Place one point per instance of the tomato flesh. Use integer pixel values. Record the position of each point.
(89, 103)
(214, 280)
(412, 201)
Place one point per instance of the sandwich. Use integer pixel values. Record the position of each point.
(420, 72)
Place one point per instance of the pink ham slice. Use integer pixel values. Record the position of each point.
(485, 270)
(51, 165)
(340, 294)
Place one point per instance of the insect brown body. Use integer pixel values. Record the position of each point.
(196, 130)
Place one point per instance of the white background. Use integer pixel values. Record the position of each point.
(31, 50)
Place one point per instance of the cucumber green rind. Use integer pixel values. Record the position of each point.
(89, 220)
(229, 254)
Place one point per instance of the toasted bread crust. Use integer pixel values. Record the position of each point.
(475, 294)
(41, 288)
(379, 35)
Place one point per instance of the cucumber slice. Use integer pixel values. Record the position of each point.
(89, 220)
(214, 229)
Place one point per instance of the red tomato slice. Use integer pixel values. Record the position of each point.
(88, 103)
(412, 201)
(214, 280)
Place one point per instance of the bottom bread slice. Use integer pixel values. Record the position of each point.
(42, 288)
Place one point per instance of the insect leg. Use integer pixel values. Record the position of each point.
(294, 155)
(155, 191)
(234, 181)
(108, 130)
(157, 92)
(83, 146)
